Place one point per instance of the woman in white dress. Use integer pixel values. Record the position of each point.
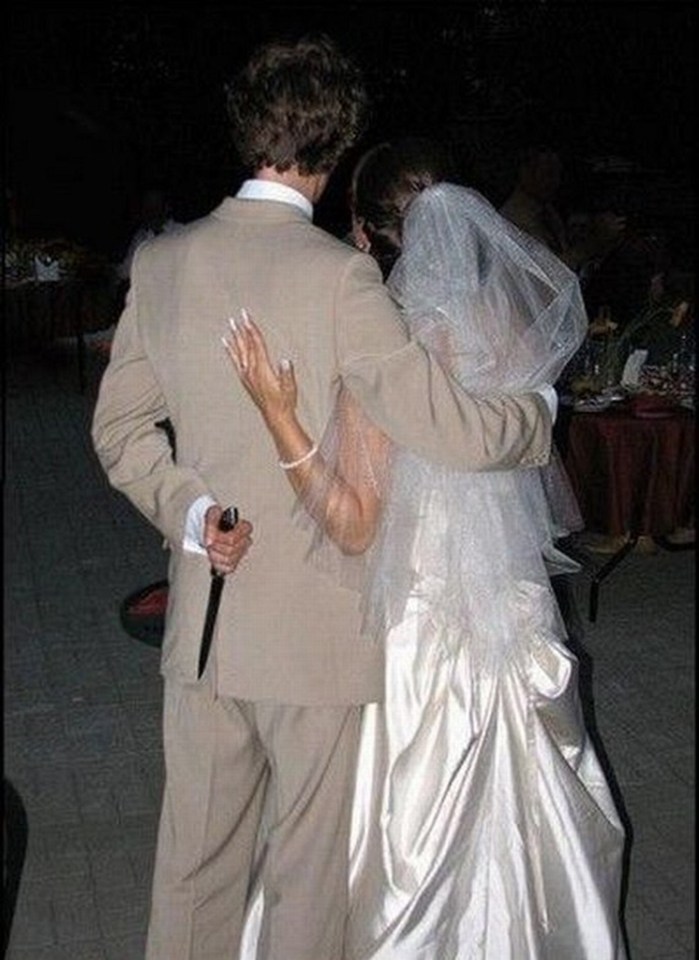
(483, 824)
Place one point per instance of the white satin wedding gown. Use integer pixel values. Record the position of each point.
(483, 824)
(484, 828)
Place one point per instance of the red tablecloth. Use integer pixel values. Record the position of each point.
(632, 473)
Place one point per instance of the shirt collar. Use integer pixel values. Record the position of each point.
(272, 190)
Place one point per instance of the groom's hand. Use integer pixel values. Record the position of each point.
(225, 548)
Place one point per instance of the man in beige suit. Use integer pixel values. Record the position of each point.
(272, 726)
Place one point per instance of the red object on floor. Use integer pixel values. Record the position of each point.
(142, 613)
(151, 603)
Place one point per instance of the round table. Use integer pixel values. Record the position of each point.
(633, 475)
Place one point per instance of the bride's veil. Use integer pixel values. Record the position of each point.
(504, 315)
(502, 311)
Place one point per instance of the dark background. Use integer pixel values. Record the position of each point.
(102, 102)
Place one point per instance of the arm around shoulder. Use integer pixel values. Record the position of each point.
(407, 393)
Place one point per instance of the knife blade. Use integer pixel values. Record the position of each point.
(227, 521)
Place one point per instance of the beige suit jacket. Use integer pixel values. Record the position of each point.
(286, 632)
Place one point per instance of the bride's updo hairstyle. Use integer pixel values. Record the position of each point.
(385, 181)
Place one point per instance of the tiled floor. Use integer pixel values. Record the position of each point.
(82, 699)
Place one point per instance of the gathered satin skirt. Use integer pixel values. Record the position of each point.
(484, 828)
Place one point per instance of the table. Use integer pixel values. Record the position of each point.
(37, 313)
(633, 475)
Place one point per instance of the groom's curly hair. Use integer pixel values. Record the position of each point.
(297, 103)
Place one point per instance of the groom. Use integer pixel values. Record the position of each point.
(272, 726)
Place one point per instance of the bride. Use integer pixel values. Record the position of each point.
(483, 825)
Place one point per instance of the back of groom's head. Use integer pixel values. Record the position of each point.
(297, 103)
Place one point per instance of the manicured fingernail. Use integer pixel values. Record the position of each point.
(285, 364)
(246, 317)
(232, 324)
(225, 343)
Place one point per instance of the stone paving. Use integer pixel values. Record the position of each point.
(82, 699)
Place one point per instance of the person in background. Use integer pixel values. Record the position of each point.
(155, 217)
(585, 240)
(267, 736)
(483, 823)
(628, 278)
(532, 206)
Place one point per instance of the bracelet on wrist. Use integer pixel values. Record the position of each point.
(290, 464)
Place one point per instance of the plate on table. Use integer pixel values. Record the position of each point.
(592, 405)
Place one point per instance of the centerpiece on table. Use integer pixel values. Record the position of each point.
(661, 328)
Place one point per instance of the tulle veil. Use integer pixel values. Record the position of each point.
(504, 315)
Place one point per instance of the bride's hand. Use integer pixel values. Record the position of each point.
(273, 390)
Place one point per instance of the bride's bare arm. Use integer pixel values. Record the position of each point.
(348, 510)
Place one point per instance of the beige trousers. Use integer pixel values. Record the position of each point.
(226, 761)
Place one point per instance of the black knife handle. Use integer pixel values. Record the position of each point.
(228, 519)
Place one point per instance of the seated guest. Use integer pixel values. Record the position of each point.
(629, 277)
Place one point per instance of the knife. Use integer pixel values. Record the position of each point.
(228, 520)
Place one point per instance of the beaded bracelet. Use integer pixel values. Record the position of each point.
(290, 464)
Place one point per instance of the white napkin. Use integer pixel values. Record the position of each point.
(47, 271)
(632, 368)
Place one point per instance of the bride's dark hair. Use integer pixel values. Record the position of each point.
(386, 180)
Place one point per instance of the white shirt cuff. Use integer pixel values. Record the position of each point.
(551, 397)
(194, 525)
